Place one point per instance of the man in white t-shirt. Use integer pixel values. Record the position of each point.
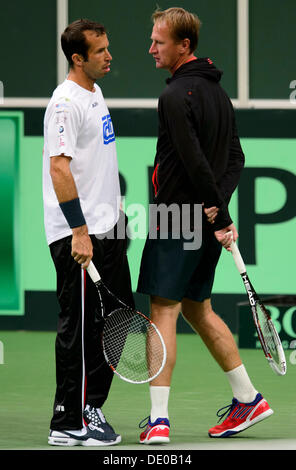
(81, 195)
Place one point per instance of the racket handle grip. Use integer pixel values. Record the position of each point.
(92, 271)
(237, 258)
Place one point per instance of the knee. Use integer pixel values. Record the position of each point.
(161, 306)
(197, 312)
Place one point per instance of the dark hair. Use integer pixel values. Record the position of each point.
(182, 24)
(73, 39)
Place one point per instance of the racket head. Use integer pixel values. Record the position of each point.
(133, 346)
(269, 339)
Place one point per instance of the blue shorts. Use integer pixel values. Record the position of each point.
(168, 270)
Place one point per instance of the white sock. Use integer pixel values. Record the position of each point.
(159, 402)
(242, 387)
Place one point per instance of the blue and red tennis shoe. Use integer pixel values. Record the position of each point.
(240, 416)
(156, 432)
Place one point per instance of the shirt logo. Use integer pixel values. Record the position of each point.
(108, 131)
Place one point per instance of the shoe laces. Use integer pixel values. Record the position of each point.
(228, 409)
(144, 423)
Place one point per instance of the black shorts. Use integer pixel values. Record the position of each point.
(172, 272)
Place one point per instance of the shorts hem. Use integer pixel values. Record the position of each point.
(173, 297)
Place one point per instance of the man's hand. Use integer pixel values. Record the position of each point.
(82, 248)
(226, 235)
(211, 213)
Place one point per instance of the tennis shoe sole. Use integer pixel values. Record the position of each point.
(57, 438)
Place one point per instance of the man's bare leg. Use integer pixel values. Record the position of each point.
(221, 344)
(213, 331)
(164, 313)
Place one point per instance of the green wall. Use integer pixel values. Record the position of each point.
(274, 242)
(11, 132)
(271, 39)
(133, 74)
(263, 208)
(28, 30)
(271, 44)
(264, 205)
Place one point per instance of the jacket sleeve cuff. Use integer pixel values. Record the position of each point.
(223, 219)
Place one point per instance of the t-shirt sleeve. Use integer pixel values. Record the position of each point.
(64, 122)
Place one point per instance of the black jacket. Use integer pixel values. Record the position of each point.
(199, 158)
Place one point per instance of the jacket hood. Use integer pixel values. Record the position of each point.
(202, 67)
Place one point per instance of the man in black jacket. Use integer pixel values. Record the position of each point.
(198, 164)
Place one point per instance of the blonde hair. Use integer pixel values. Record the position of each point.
(182, 24)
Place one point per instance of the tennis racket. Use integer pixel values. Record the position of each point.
(132, 345)
(268, 336)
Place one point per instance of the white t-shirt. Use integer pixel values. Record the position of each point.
(77, 124)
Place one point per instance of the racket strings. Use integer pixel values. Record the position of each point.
(269, 334)
(132, 345)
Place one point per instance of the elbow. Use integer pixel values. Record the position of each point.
(53, 172)
(59, 166)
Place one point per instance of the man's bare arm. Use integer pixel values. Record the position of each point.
(65, 189)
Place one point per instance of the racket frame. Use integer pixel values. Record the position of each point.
(279, 369)
(96, 278)
(136, 312)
